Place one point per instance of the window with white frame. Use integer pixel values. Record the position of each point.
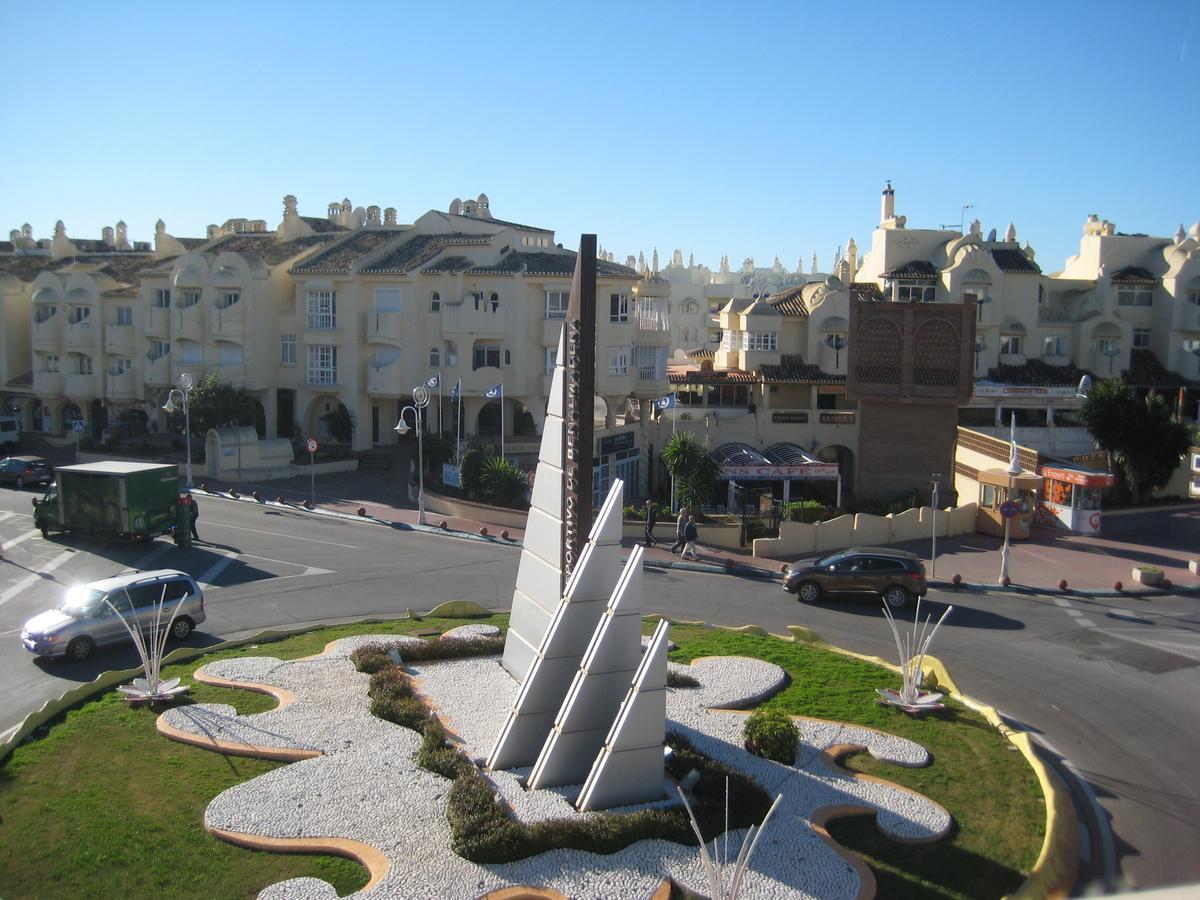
(322, 364)
(159, 349)
(1010, 344)
(162, 298)
(189, 298)
(1135, 295)
(79, 315)
(435, 302)
(1055, 345)
(761, 340)
(121, 365)
(435, 358)
(551, 359)
(451, 354)
(124, 315)
(44, 312)
(52, 363)
(83, 365)
(650, 363)
(228, 299)
(618, 360)
(622, 464)
(1108, 346)
(486, 355)
(557, 303)
(322, 310)
(911, 290)
(618, 308)
(1141, 339)
(690, 307)
(287, 349)
(494, 301)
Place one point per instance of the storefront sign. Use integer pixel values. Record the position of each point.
(842, 418)
(578, 430)
(615, 443)
(1071, 476)
(1021, 390)
(450, 475)
(789, 418)
(779, 473)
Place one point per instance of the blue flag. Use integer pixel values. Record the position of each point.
(495, 392)
(434, 381)
(456, 390)
(667, 402)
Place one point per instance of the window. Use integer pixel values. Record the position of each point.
(618, 308)
(435, 302)
(911, 290)
(451, 354)
(122, 365)
(622, 464)
(1055, 346)
(494, 301)
(557, 303)
(84, 365)
(44, 313)
(1135, 295)
(435, 358)
(618, 360)
(387, 300)
(691, 307)
(486, 355)
(1107, 346)
(287, 349)
(124, 315)
(1010, 344)
(162, 298)
(79, 315)
(551, 359)
(477, 296)
(228, 299)
(189, 298)
(322, 364)
(322, 310)
(977, 293)
(52, 363)
(159, 349)
(651, 363)
(508, 357)
(1194, 297)
(1141, 339)
(760, 340)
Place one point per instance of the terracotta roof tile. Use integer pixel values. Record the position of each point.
(790, 302)
(422, 248)
(27, 267)
(1015, 261)
(700, 353)
(564, 264)
(1134, 275)
(866, 291)
(345, 253)
(503, 223)
(710, 376)
(1038, 373)
(267, 246)
(917, 268)
(1146, 371)
(322, 226)
(793, 369)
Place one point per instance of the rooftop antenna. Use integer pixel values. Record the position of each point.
(962, 217)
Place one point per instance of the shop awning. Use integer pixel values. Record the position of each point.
(779, 462)
(1074, 474)
(999, 478)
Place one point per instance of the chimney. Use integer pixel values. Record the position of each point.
(887, 208)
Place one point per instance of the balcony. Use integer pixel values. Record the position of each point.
(231, 373)
(47, 334)
(48, 384)
(229, 321)
(387, 379)
(118, 340)
(189, 323)
(464, 318)
(157, 321)
(384, 326)
(81, 336)
(157, 370)
(125, 386)
(82, 387)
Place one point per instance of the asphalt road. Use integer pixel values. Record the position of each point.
(1112, 688)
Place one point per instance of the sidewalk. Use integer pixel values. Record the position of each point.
(1164, 537)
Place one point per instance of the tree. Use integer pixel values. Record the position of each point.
(694, 471)
(340, 424)
(1141, 437)
(214, 405)
(504, 484)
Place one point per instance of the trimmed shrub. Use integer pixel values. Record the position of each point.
(454, 648)
(436, 755)
(772, 735)
(390, 682)
(371, 658)
(407, 712)
(681, 680)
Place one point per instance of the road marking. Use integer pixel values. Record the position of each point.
(159, 549)
(5, 516)
(1074, 612)
(281, 534)
(1087, 623)
(20, 539)
(1061, 602)
(227, 557)
(34, 577)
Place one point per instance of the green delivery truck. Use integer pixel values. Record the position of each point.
(112, 500)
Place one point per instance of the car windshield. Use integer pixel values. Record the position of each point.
(80, 601)
(829, 560)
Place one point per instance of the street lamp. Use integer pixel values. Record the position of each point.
(185, 388)
(1112, 351)
(1014, 469)
(420, 401)
(936, 477)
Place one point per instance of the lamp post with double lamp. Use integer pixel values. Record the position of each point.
(1014, 469)
(185, 388)
(936, 477)
(420, 401)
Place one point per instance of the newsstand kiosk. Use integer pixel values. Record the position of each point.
(1071, 497)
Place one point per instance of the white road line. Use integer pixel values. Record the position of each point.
(6, 515)
(1074, 612)
(1061, 602)
(227, 557)
(34, 577)
(279, 534)
(20, 539)
(1087, 623)
(160, 548)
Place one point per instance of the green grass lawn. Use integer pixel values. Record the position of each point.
(101, 805)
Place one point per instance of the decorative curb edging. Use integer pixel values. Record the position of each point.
(367, 856)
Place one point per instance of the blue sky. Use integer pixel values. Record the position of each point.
(739, 128)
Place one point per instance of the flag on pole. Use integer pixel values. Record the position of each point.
(495, 392)
(456, 390)
(668, 402)
(434, 381)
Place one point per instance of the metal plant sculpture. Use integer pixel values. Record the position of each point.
(912, 649)
(151, 644)
(720, 888)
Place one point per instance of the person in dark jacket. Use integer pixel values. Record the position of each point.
(680, 525)
(690, 533)
(194, 512)
(651, 521)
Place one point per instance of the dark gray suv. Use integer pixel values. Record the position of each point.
(895, 575)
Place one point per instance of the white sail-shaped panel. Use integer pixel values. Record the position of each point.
(629, 768)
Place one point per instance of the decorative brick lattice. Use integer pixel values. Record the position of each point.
(936, 351)
(879, 352)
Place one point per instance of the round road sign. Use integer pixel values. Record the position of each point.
(311, 445)
(1009, 508)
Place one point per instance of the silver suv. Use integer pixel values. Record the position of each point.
(82, 621)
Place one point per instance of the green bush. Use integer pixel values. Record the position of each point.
(444, 647)
(681, 680)
(805, 511)
(407, 712)
(390, 682)
(772, 735)
(371, 658)
(436, 755)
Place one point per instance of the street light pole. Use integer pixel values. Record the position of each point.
(185, 388)
(934, 500)
(1014, 469)
(420, 401)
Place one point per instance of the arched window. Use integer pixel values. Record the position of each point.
(435, 302)
(494, 300)
(435, 358)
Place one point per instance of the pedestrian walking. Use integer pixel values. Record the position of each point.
(194, 513)
(690, 533)
(651, 521)
(680, 525)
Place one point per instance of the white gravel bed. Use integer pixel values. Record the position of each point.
(476, 630)
(368, 788)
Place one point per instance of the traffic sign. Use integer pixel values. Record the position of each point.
(311, 445)
(77, 425)
(1009, 508)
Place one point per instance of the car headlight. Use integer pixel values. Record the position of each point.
(47, 638)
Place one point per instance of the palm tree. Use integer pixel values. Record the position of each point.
(692, 469)
(1142, 438)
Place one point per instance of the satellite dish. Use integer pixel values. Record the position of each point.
(456, 207)
(992, 235)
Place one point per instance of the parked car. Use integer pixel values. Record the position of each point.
(22, 470)
(10, 432)
(895, 575)
(82, 621)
